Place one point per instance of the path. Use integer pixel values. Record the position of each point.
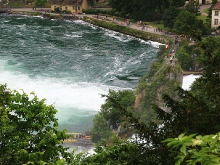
(148, 28)
(203, 7)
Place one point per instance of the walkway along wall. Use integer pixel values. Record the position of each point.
(129, 31)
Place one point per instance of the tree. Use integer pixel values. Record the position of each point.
(110, 115)
(186, 23)
(178, 3)
(118, 4)
(169, 16)
(193, 7)
(39, 3)
(146, 10)
(117, 152)
(111, 112)
(91, 2)
(100, 129)
(28, 130)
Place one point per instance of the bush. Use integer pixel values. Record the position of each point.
(94, 11)
(57, 10)
(66, 12)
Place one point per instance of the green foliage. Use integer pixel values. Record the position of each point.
(193, 7)
(193, 150)
(14, 3)
(118, 152)
(111, 111)
(188, 56)
(57, 10)
(214, 2)
(178, 3)
(207, 86)
(184, 56)
(91, 2)
(66, 12)
(202, 17)
(146, 10)
(28, 130)
(110, 115)
(40, 3)
(101, 129)
(169, 16)
(94, 11)
(186, 61)
(186, 23)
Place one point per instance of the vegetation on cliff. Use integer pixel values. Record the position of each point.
(188, 112)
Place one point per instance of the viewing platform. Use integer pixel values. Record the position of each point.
(79, 138)
(192, 72)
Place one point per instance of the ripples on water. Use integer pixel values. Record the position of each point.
(70, 64)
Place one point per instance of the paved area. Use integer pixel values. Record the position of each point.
(203, 7)
(31, 9)
(137, 26)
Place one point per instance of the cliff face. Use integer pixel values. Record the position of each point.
(166, 78)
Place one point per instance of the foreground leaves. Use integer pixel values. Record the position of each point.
(28, 130)
(204, 150)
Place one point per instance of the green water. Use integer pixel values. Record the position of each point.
(70, 64)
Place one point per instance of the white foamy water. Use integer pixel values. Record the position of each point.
(84, 98)
(188, 81)
(59, 93)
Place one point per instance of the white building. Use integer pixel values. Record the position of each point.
(216, 15)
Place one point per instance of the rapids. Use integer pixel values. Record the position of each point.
(70, 63)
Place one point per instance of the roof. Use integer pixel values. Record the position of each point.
(216, 6)
(68, 2)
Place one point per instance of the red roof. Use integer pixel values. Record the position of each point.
(216, 6)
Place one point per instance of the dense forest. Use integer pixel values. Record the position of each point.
(148, 10)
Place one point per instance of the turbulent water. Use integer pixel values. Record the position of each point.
(70, 63)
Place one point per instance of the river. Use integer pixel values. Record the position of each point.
(70, 63)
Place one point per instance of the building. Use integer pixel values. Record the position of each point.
(202, 2)
(216, 15)
(75, 6)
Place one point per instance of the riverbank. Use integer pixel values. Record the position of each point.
(131, 29)
(148, 33)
